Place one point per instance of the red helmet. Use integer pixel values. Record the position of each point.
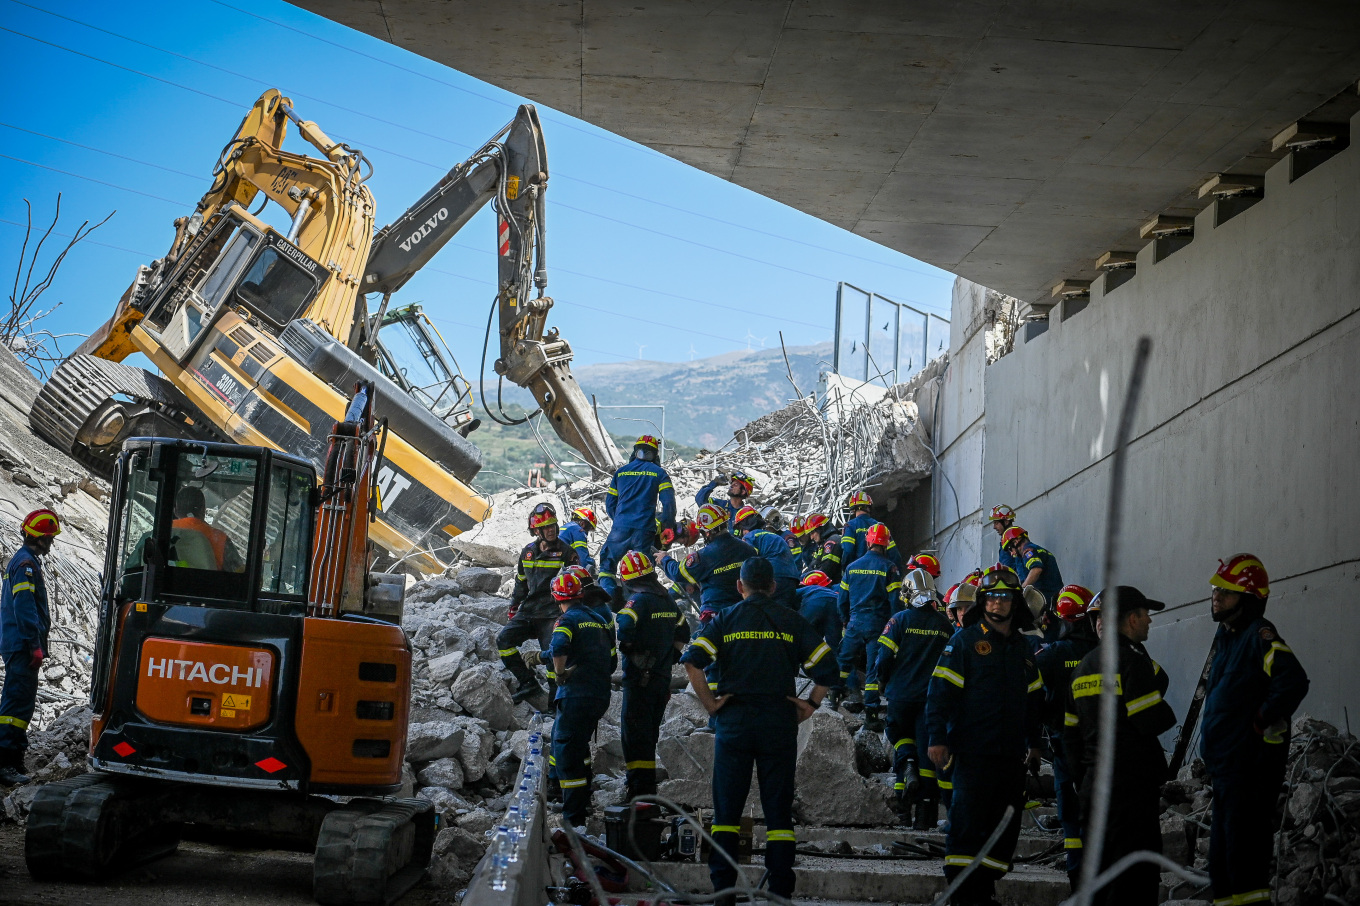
(647, 440)
(579, 572)
(926, 562)
(566, 587)
(1073, 602)
(1013, 534)
(877, 535)
(816, 577)
(949, 595)
(1002, 513)
(41, 524)
(860, 499)
(634, 565)
(814, 522)
(1243, 573)
(542, 516)
(746, 481)
(688, 533)
(972, 578)
(585, 514)
(710, 518)
(798, 527)
(745, 513)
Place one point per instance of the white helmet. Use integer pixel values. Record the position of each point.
(919, 588)
(774, 520)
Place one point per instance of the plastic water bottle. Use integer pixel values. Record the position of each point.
(502, 854)
(515, 823)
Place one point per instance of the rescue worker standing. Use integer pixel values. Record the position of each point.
(577, 534)
(983, 708)
(759, 645)
(24, 624)
(819, 604)
(715, 567)
(823, 546)
(1133, 822)
(853, 542)
(740, 486)
(634, 492)
(1057, 662)
(1040, 571)
(651, 632)
(774, 548)
(1002, 518)
(532, 608)
(908, 650)
(1255, 685)
(866, 601)
(584, 658)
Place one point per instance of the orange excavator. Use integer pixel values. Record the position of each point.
(250, 670)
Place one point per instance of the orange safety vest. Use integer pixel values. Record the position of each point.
(216, 537)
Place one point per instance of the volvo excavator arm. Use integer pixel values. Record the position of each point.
(511, 173)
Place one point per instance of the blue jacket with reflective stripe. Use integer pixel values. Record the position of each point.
(908, 650)
(759, 646)
(24, 618)
(539, 564)
(586, 638)
(853, 545)
(633, 495)
(713, 569)
(985, 695)
(649, 625)
(868, 591)
(775, 549)
(1050, 580)
(705, 495)
(817, 604)
(575, 536)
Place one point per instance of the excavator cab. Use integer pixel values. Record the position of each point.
(412, 353)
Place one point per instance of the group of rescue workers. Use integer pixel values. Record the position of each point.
(973, 687)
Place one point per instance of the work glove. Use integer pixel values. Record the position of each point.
(667, 537)
(532, 658)
(36, 657)
(514, 609)
(705, 615)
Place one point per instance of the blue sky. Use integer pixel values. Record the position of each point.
(125, 106)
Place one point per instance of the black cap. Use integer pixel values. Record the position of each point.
(757, 574)
(1130, 599)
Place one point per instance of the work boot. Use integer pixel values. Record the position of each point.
(911, 781)
(528, 688)
(834, 698)
(873, 719)
(12, 776)
(854, 702)
(927, 814)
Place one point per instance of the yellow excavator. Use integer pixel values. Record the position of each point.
(260, 335)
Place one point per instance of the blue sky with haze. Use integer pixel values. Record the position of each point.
(126, 106)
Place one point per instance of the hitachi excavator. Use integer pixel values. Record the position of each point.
(249, 669)
(261, 335)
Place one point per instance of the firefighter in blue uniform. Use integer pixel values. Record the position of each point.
(584, 658)
(868, 590)
(819, 603)
(1057, 662)
(774, 548)
(853, 543)
(823, 546)
(24, 624)
(651, 632)
(577, 534)
(532, 609)
(908, 650)
(793, 536)
(1039, 570)
(760, 645)
(984, 708)
(740, 487)
(1255, 685)
(634, 492)
(1002, 518)
(1141, 715)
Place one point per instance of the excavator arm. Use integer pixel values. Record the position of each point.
(510, 172)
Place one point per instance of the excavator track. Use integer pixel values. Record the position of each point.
(84, 383)
(371, 852)
(94, 826)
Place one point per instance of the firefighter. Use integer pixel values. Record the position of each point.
(823, 546)
(1002, 518)
(760, 645)
(801, 548)
(740, 487)
(983, 711)
(774, 548)
(819, 604)
(1133, 821)
(1255, 684)
(1057, 662)
(24, 624)
(927, 562)
(634, 492)
(853, 543)
(908, 650)
(1040, 571)
(957, 603)
(577, 534)
(651, 632)
(532, 609)
(583, 657)
(867, 593)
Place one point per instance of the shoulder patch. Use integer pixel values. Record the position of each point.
(28, 572)
(1267, 634)
(948, 649)
(692, 559)
(983, 647)
(528, 555)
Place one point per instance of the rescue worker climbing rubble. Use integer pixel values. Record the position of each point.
(635, 491)
(24, 624)
(818, 603)
(867, 593)
(1255, 684)
(740, 486)
(1002, 518)
(824, 546)
(577, 533)
(1039, 569)
(532, 608)
(853, 541)
(759, 645)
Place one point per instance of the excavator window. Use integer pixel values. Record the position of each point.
(414, 356)
(276, 287)
(287, 532)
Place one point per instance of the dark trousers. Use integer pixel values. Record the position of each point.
(1242, 836)
(907, 733)
(763, 734)
(1133, 824)
(983, 786)
(859, 646)
(519, 630)
(17, 701)
(621, 540)
(644, 707)
(577, 717)
(1069, 807)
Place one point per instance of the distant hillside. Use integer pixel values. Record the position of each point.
(707, 399)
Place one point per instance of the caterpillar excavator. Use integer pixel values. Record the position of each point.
(260, 334)
(251, 678)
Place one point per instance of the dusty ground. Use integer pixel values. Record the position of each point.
(200, 874)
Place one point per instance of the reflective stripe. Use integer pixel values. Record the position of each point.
(1223, 901)
(780, 836)
(629, 612)
(14, 722)
(845, 674)
(904, 742)
(713, 687)
(1269, 666)
(989, 862)
(22, 586)
(899, 786)
(573, 784)
(944, 784)
(871, 687)
(957, 860)
(945, 673)
(563, 629)
(1143, 703)
(552, 676)
(1036, 685)
(888, 643)
(894, 586)
(638, 765)
(927, 772)
(706, 645)
(688, 578)
(665, 486)
(552, 760)
(725, 829)
(845, 586)
(1252, 896)
(509, 652)
(817, 654)
(1072, 843)
(1070, 719)
(614, 492)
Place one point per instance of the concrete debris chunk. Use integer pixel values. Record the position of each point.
(444, 772)
(830, 789)
(429, 741)
(481, 692)
(443, 669)
(479, 579)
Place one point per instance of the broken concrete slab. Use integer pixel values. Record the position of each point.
(830, 790)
